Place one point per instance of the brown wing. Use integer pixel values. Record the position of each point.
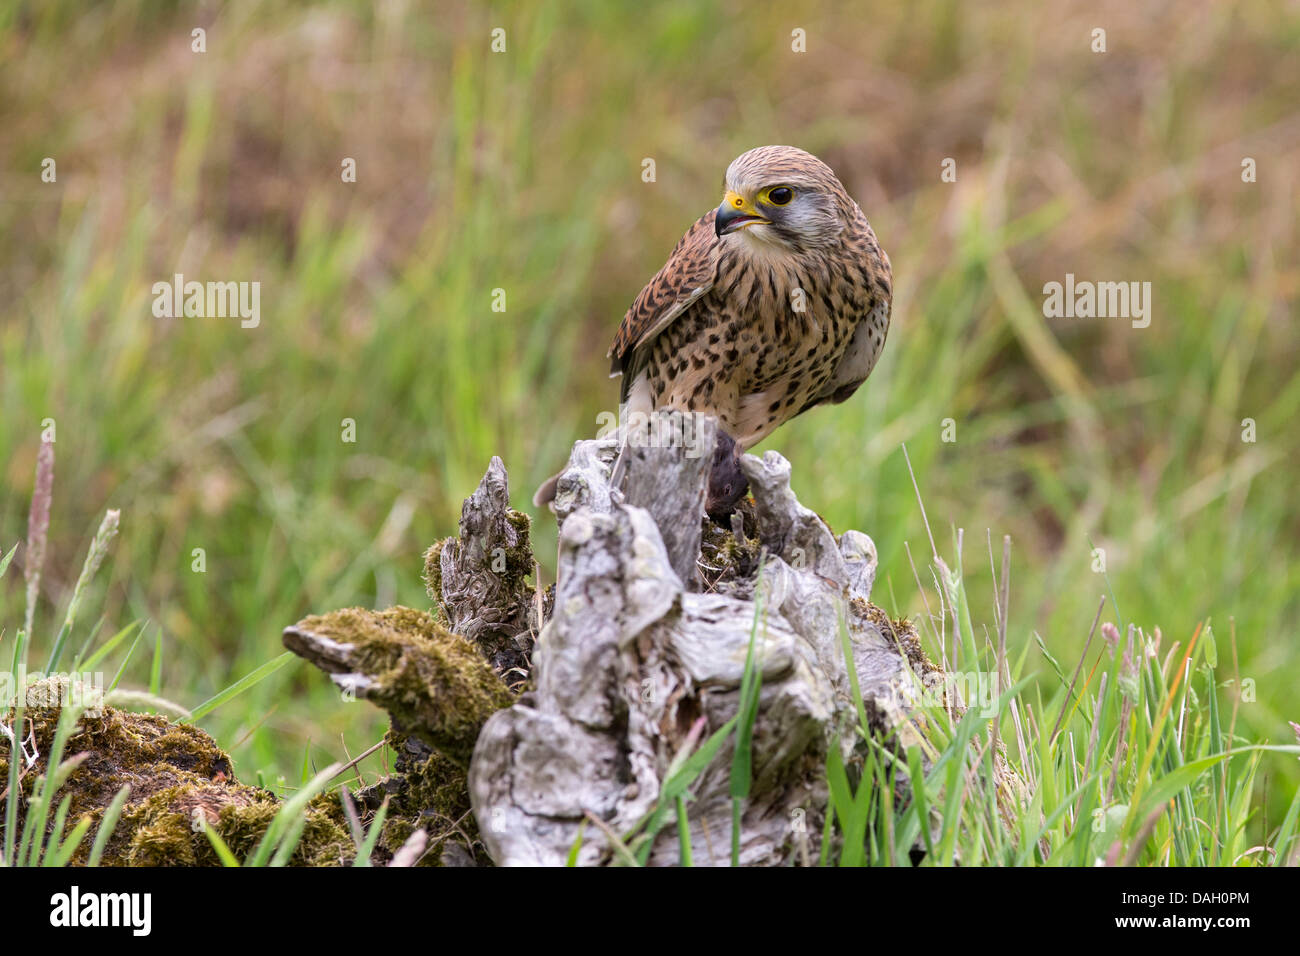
(858, 360)
(687, 275)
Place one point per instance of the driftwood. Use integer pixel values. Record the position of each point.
(669, 478)
(641, 657)
(639, 651)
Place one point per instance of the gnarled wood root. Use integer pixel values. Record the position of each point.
(635, 656)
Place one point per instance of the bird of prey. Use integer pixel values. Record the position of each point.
(773, 303)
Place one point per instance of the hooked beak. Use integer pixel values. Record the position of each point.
(735, 213)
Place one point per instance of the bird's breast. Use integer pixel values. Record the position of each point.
(762, 345)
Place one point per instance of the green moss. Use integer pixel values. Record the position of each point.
(166, 829)
(150, 751)
(901, 631)
(433, 683)
(177, 774)
(723, 558)
(437, 787)
(433, 570)
(519, 559)
(519, 564)
(433, 795)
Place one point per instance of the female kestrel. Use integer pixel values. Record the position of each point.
(774, 302)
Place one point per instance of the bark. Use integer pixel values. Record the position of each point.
(481, 577)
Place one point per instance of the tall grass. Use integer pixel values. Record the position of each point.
(1138, 763)
(42, 840)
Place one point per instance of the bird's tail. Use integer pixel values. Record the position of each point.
(620, 468)
(546, 493)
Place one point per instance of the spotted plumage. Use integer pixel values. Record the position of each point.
(773, 303)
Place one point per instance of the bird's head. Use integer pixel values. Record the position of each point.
(783, 196)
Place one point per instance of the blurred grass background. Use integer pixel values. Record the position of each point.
(522, 171)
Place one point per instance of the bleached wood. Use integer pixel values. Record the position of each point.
(632, 657)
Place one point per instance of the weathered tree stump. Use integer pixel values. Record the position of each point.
(637, 652)
(481, 577)
(527, 725)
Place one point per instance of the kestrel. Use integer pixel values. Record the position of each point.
(773, 303)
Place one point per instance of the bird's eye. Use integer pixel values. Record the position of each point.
(780, 195)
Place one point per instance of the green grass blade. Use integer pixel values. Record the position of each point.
(286, 826)
(107, 647)
(130, 652)
(47, 785)
(372, 836)
(751, 684)
(4, 562)
(1286, 834)
(85, 645)
(155, 669)
(679, 781)
(223, 851)
(572, 859)
(68, 848)
(846, 648)
(238, 687)
(56, 831)
(14, 737)
(683, 832)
